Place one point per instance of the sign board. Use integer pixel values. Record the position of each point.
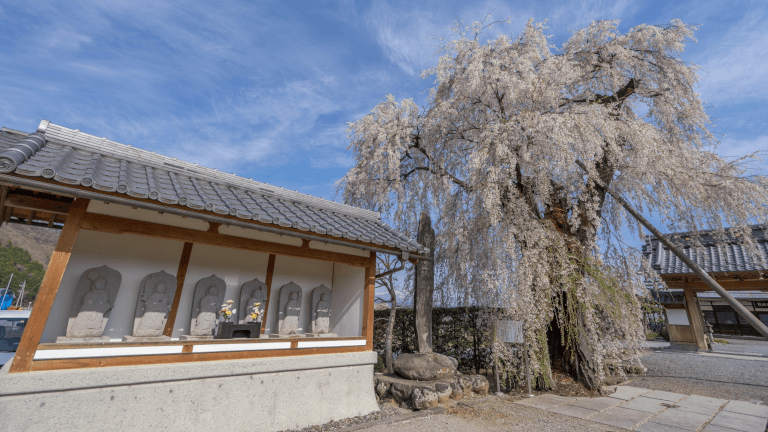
(677, 317)
(509, 331)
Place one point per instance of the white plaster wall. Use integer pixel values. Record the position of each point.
(100, 207)
(133, 256)
(340, 249)
(347, 307)
(259, 235)
(235, 266)
(305, 273)
(677, 317)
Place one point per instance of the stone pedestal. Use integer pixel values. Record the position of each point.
(293, 336)
(146, 338)
(90, 340)
(320, 335)
(195, 338)
(228, 330)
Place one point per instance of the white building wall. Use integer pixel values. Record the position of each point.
(348, 302)
(133, 256)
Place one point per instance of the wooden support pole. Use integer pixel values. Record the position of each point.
(181, 275)
(22, 362)
(368, 296)
(694, 316)
(268, 283)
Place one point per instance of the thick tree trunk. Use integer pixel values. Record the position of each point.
(425, 287)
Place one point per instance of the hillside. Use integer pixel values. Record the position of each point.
(38, 242)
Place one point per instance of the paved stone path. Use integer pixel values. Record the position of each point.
(647, 410)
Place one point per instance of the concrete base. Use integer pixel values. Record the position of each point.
(195, 338)
(146, 338)
(290, 393)
(90, 340)
(320, 335)
(683, 346)
(279, 336)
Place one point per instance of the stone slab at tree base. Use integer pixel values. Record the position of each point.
(266, 394)
(421, 395)
(146, 338)
(90, 340)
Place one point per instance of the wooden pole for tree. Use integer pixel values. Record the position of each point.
(738, 307)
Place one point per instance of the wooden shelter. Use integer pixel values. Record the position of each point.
(139, 214)
(731, 264)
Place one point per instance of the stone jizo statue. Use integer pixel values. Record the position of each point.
(156, 307)
(95, 304)
(322, 323)
(290, 324)
(93, 299)
(255, 303)
(207, 313)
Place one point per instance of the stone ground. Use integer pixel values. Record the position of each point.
(717, 385)
(750, 346)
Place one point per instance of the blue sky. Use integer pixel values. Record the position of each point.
(265, 89)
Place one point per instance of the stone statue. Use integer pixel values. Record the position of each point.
(206, 305)
(207, 313)
(156, 306)
(95, 304)
(289, 311)
(290, 324)
(251, 292)
(152, 307)
(322, 322)
(321, 312)
(93, 300)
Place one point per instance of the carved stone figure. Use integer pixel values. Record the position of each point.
(95, 304)
(155, 299)
(93, 301)
(321, 311)
(289, 311)
(290, 324)
(251, 292)
(207, 313)
(206, 304)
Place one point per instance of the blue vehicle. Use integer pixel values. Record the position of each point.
(12, 324)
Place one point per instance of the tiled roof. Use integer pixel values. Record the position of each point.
(711, 257)
(75, 158)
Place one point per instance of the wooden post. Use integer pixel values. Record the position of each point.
(368, 295)
(695, 319)
(181, 275)
(268, 282)
(22, 361)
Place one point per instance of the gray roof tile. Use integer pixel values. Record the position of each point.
(711, 256)
(76, 158)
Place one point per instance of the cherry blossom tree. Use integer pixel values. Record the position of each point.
(494, 156)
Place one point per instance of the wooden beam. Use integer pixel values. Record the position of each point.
(368, 298)
(30, 217)
(268, 282)
(22, 362)
(34, 203)
(730, 285)
(117, 225)
(43, 365)
(695, 318)
(51, 220)
(181, 274)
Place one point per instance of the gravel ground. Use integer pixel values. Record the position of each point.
(384, 412)
(718, 377)
(742, 346)
(496, 414)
